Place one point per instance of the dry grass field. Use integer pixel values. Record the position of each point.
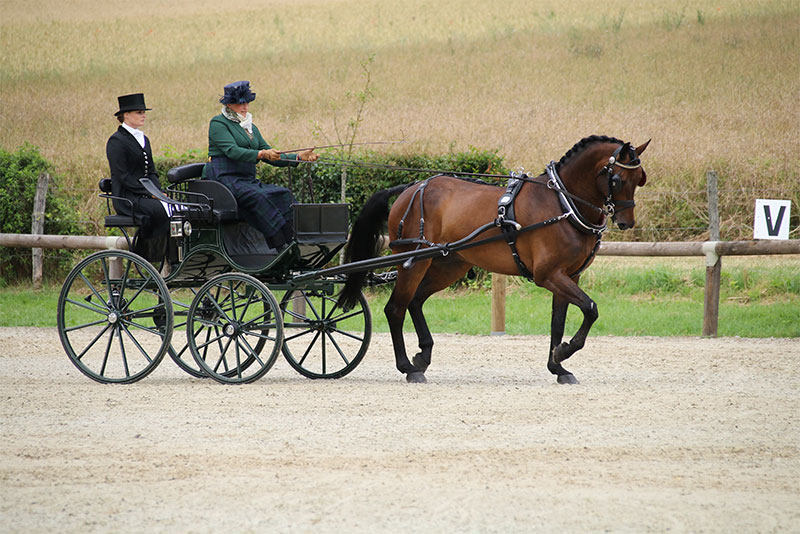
(715, 84)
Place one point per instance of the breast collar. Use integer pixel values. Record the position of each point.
(577, 220)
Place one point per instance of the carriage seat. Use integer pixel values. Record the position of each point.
(223, 203)
(113, 220)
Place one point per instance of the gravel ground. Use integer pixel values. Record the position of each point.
(662, 434)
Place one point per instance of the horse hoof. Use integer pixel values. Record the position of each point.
(416, 378)
(567, 379)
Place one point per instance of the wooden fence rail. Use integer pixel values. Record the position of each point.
(79, 242)
(712, 250)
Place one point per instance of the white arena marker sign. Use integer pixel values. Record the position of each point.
(771, 219)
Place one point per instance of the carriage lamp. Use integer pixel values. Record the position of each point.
(176, 228)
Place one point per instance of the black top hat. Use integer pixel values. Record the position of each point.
(238, 93)
(132, 102)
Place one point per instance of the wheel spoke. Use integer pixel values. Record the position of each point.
(337, 347)
(138, 346)
(140, 290)
(90, 306)
(232, 296)
(308, 350)
(348, 334)
(299, 334)
(108, 349)
(222, 358)
(93, 290)
(258, 334)
(92, 342)
(124, 281)
(94, 323)
(251, 352)
(107, 278)
(122, 350)
(257, 321)
(142, 327)
(209, 341)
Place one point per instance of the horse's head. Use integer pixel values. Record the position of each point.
(618, 179)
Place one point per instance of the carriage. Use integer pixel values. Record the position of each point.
(229, 304)
(223, 304)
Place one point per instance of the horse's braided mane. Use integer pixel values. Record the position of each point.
(583, 143)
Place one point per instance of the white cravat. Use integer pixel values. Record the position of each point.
(138, 134)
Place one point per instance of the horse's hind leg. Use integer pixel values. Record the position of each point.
(440, 275)
(422, 359)
(565, 292)
(405, 288)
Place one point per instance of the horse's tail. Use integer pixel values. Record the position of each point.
(365, 241)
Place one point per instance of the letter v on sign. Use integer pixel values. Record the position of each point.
(771, 219)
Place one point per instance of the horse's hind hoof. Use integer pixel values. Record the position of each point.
(567, 379)
(416, 378)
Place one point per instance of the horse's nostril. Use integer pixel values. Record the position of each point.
(625, 226)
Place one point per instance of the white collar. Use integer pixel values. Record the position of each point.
(135, 132)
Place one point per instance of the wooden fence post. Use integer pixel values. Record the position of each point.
(37, 227)
(713, 261)
(499, 282)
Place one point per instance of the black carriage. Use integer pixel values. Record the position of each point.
(223, 304)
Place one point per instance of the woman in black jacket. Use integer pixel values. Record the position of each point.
(130, 158)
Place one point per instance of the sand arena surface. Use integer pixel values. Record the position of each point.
(662, 434)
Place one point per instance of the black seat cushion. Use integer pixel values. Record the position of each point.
(119, 220)
(185, 172)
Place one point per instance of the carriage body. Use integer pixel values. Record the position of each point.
(222, 303)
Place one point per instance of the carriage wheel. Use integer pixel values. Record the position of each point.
(323, 340)
(180, 352)
(115, 326)
(231, 319)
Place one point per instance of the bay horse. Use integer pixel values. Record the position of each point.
(549, 233)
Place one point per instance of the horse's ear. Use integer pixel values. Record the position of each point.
(641, 148)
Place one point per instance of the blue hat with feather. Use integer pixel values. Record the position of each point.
(238, 93)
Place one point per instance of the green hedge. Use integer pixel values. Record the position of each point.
(19, 174)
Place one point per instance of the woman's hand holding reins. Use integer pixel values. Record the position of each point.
(269, 154)
(308, 155)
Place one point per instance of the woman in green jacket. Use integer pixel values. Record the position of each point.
(234, 147)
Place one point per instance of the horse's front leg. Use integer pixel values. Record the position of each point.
(558, 319)
(566, 291)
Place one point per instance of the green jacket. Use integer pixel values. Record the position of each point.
(229, 139)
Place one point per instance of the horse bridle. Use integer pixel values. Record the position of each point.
(615, 180)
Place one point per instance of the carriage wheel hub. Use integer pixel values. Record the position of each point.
(113, 317)
(230, 330)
